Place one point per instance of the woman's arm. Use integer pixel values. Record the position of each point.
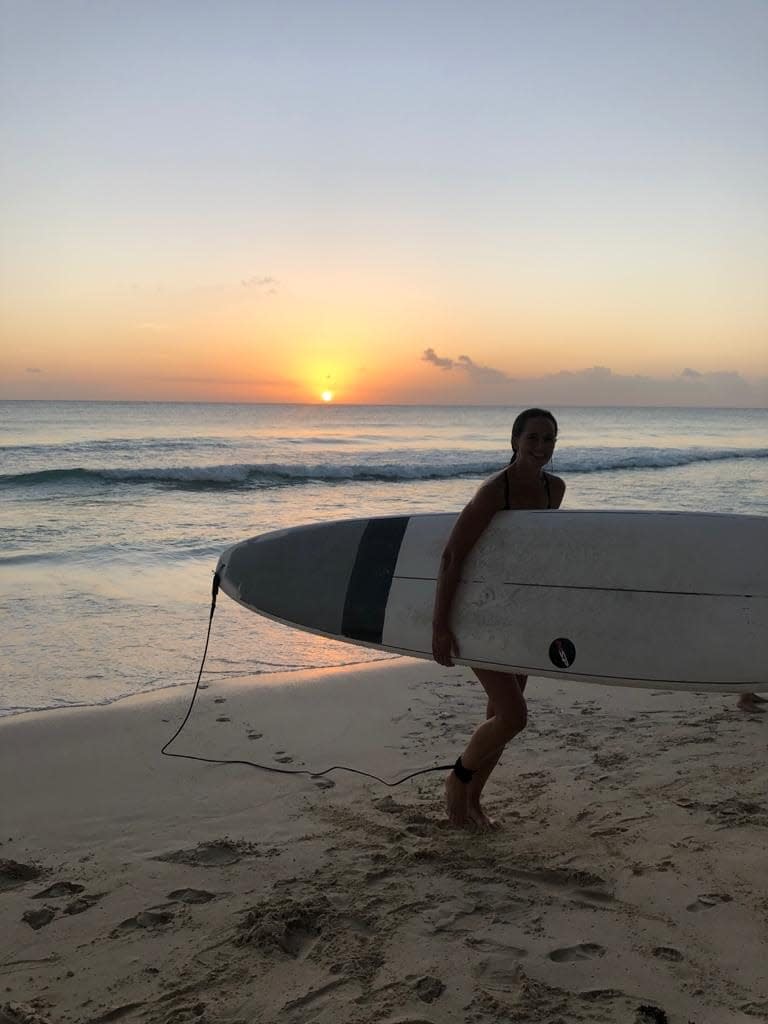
(466, 531)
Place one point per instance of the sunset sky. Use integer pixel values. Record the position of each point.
(396, 201)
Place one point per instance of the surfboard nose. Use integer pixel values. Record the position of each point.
(298, 575)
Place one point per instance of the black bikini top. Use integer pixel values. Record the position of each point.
(506, 490)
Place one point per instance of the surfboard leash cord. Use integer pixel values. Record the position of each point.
(265, 767)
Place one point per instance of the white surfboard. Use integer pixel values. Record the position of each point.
(669, 600)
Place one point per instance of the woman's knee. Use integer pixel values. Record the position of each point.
(506, 702)
(512, 718)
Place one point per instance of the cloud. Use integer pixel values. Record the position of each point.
(598, 385)
(263, 285)
(430, 356)
(481, 372)
(34, 369)
(463, 363)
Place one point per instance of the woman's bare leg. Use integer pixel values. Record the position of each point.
(509, 717)
(475, 812)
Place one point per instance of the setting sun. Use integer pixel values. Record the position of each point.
(327, 396)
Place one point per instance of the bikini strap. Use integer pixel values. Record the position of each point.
(506, 490)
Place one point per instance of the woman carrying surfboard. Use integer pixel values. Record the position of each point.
(523, 484)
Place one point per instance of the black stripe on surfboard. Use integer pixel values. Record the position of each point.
(371, 578)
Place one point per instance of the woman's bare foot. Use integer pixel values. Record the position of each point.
(751, 702)
(456, 800)
(480, 819)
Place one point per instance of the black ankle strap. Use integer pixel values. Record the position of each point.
(462, 773)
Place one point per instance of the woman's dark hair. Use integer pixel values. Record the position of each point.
(528, 414)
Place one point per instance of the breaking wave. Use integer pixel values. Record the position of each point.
(421, 466)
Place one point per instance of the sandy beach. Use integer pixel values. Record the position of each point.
(629, 882)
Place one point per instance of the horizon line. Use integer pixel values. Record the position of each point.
(376, 405)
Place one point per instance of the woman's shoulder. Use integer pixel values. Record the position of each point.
(492, 491)
(496, 483)
(495, 480)
(487, 500)
(557, 486)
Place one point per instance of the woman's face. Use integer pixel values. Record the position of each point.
(537, 441)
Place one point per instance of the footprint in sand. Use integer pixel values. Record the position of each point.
(191, 896)
(497, 974)
(292, 926)
(668, 953)
(708, 900)
(285, 759)
(219, 700)
(153, 917)
(223, 718)
(428, 989)
(255, 735)
(39, 918)
(592, 896)
(584, 951)
(82, 903)
(755, 1009)
(324, 783)
(492, 946)
(57, 890)
(650, 1015)
(444, 918)
(578, 884)
(12, 873)
(220, 853)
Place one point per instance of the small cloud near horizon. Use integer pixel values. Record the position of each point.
(430, 356)
(463, 363)
(34, 369)
(599, 385)
(264, 285)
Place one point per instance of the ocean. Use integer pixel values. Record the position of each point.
(113, 516)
